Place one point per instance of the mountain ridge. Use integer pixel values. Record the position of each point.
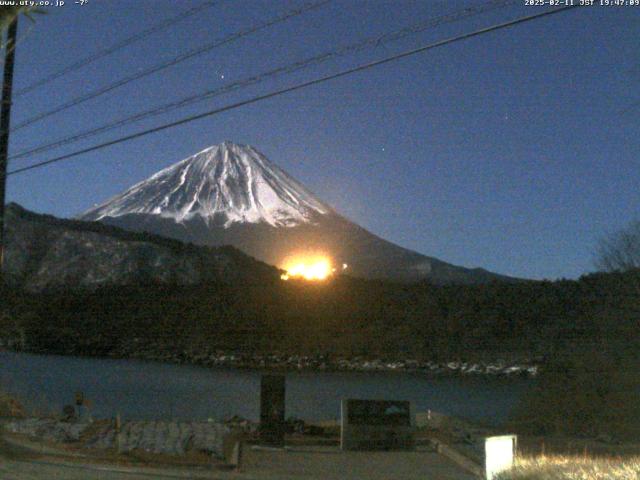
(232, 194)
(44, 252)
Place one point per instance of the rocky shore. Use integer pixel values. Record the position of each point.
(279, 361)
(356, 364)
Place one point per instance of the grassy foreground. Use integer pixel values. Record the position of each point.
(559, 467)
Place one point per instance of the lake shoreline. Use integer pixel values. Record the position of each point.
(318, 363)
(144, 389)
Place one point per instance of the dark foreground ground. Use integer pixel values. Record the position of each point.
(301, 462)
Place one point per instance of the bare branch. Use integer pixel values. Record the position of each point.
(620, 251)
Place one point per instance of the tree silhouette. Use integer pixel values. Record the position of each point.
(620, 251)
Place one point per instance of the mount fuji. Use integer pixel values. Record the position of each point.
(231, 194)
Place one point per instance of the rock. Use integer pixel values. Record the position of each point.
(69, 413)
(48, 429)
(10, 407)
(171, 438)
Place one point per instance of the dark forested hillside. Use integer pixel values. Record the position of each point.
(344, 317)
(49, 253)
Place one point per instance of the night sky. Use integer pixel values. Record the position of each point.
(514, 151)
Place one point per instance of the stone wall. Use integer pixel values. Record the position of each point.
(160, 437)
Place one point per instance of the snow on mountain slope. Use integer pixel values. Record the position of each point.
(231, 194)
(228, 183)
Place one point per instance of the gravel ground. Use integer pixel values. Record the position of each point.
(301, 463)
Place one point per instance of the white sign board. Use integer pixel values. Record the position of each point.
(499, 454)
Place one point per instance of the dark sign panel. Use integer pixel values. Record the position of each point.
(376, 425)
(272, 394)
(379, 412)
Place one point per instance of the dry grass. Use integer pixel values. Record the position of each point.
(562, 467)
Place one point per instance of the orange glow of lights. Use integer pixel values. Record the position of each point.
(313, 268)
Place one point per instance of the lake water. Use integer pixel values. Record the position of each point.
(146, 390)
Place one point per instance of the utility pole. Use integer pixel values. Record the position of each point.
(5, 117)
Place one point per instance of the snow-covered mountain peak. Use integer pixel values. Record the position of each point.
(227, 182)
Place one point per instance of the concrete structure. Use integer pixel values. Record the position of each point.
(272, 410)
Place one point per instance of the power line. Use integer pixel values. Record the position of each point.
(115, 47)
(286, 69)
(176, 60)
(299, 86)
